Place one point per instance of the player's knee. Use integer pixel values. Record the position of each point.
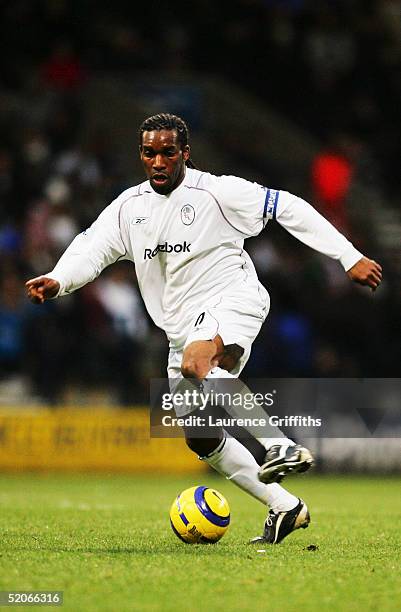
(198, 359)
(202, 446)
(190, 369)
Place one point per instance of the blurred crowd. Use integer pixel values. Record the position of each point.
(304, 58)
(331, 65)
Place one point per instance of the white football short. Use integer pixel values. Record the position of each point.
(237, 319)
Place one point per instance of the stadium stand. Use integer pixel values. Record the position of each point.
(290, 78)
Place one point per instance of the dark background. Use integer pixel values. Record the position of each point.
(311, 97)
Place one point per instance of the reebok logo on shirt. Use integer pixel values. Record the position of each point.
(167, 248)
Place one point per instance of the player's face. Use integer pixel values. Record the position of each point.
(163, 159)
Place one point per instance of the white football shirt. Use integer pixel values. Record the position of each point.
(187, 246)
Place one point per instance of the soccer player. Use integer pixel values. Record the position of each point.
(184, 229)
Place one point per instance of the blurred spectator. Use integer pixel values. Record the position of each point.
(120, 299)
(330, 49)
(332, 173)
(116, 332)
(63, 70)
(117, 294)
(12, 306)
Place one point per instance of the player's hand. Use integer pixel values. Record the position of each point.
(42, 288)
(366, 272)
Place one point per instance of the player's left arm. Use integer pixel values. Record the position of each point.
(305, 223)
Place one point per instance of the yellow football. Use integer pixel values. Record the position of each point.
(200, 515)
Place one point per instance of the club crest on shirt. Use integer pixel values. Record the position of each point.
(187, 214)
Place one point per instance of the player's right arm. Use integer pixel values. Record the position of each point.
(88, 254)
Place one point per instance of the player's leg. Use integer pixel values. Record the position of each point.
(282, 455)
(231, 458)
(287, 512)
(235, 462)
(214, 360)
(239, 322)
(226, 454)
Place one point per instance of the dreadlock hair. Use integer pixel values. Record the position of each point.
(166, 121)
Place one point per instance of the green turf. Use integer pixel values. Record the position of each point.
(106, 542)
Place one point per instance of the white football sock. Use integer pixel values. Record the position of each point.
(236, 463)
(275, 435)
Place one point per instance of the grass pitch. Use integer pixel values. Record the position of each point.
(106, 542)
